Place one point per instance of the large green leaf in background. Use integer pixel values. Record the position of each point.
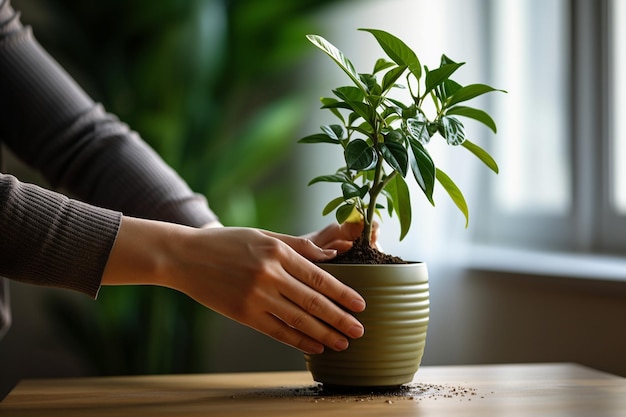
(211, 85)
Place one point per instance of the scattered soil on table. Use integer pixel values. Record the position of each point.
(320, 393)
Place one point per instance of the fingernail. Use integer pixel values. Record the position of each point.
(331, 253)
(357, 305)
(341, 344)
(356, 331)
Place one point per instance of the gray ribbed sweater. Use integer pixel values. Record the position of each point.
(51, 124)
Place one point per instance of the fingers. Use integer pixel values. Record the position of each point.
(320, 313)
(310, 309)
(351, 231)
(276, 328)
(340, 246)
(305, 247)
(315, 277)
(341, 236)
(277, 291)
(306, 327)
(298, 320)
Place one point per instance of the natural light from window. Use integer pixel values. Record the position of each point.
(530, 60)
(618, 93)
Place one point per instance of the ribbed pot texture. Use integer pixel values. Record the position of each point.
(395, 321)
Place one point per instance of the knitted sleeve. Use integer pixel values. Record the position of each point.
(49, 122)
(49, 239)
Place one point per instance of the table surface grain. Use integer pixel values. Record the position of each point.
(558, 389)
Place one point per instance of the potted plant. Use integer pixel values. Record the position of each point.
(383, 140)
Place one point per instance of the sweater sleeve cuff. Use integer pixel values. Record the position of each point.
(56, 241)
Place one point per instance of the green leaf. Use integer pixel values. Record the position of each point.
(353, 117)
(423, 169)
(446, 60)
(334, 131)
(349, 93)
(344, 212)
(482, 154)
(336, 104)
(397, 50)
(337, 56)
(454, 192)
(351, 190)
(390, 78)
(382, 64)
(398, 191)
(453, 130)
(397, 104)
(396, 156)
(394, 136)
(359, 155)
(371, 83)
(318, 138)
(389, 205)
(412, 112)
(417, 128)
(391, 118)
(364, 128)
(439, 75)
(333, 104)
(446, 89)
(362, 110)
(334, 203)
(329, 178)
(469, 92)
(475, 114)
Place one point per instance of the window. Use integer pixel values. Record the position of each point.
(530, 59)
(562, 131)
(618, 102)
(614, 213)
(530, 202)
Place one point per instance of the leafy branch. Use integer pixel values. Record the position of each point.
(382, 138)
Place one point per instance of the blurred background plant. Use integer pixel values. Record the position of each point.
(212, 86)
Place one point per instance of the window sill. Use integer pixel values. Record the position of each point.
(561, 264)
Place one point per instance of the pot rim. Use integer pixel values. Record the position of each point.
(409, 263)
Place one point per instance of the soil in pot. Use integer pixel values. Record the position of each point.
(363, 253)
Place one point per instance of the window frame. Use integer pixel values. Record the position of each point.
(591, 225)
(613, 224)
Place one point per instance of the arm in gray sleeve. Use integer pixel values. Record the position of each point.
(51, 124)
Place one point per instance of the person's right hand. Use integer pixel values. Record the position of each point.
(261, 279)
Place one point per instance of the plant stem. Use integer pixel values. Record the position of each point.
(378, 184)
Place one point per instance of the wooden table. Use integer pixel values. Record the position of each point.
(492, 390)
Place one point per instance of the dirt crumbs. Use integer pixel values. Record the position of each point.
(411, 392)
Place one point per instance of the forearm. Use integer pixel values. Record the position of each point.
(144, 253)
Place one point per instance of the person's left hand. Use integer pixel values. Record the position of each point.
(340, 236)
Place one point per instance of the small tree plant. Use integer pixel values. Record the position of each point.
(383, 139)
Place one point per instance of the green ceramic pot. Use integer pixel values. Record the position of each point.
(395, 320)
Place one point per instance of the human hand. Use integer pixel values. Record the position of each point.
(258, 278)
(340, 236)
